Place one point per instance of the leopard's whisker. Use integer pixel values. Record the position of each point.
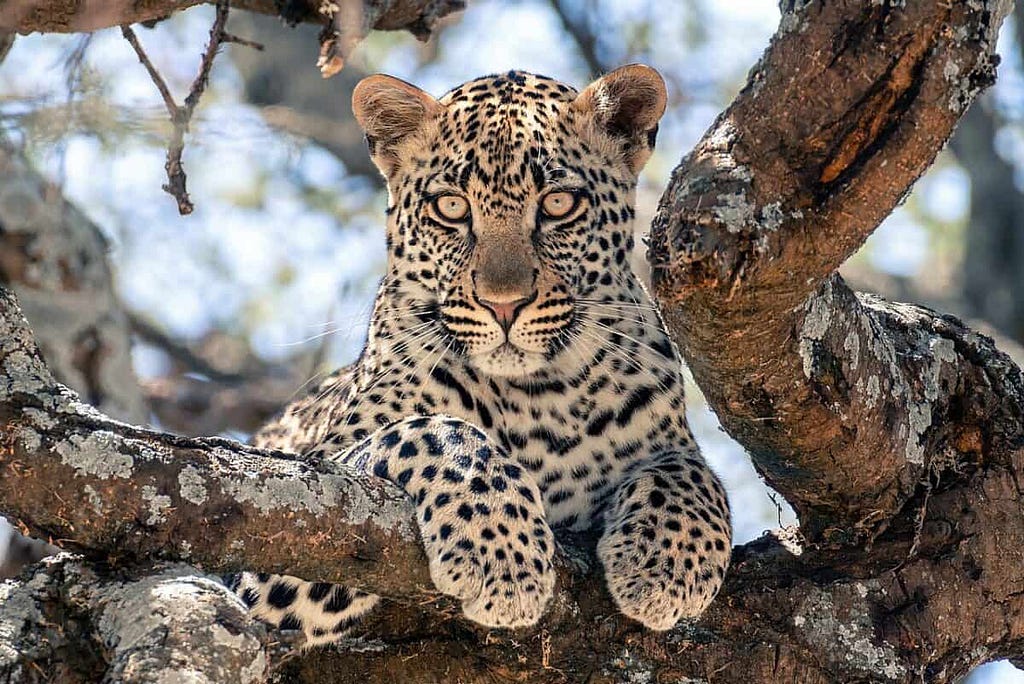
(624, 355)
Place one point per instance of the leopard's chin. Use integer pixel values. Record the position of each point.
(509, 361)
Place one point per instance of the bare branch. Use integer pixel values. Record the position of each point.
(203, 77)
(181, 116)
(69, 623)
(72, 16)
(232, 38)
(154, 74)
(130, 493)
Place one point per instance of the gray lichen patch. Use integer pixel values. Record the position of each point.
(974, 43)
(794, 17)
(269, 494)
(817, 319)
(18, 615)
(919, 389)
(735, 211)
(389, 512)
(95, 500)
(40, 419)
(345, 493)
(98, 455)
(192, 486)
(27, 630)
(157, 504)
(360, 645)
(838, 624)
(180, 621)
(22, 374)
(630, 669)
(871, 354)
(28, 438)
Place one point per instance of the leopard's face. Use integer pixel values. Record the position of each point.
(508, 208)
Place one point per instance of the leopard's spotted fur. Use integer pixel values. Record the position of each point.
(517, 376)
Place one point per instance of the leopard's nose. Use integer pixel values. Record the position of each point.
(505, 310)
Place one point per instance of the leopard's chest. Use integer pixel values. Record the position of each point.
(578, 438)
(578, 435)
(581, 442)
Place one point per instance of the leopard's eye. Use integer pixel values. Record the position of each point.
(452, 207)
(558, 204)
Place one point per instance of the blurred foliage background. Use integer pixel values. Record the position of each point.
(269, 283)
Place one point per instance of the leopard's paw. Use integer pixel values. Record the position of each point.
(491, 547)
(654, 585)
(666, 544)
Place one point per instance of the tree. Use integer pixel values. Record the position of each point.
(894, 431)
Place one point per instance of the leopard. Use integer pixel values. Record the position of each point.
(517, 379)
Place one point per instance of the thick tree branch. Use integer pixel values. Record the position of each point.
(70, 624)
(72, 16)
(111, 490)
(846, 109)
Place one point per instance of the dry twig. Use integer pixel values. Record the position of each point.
(181, 115)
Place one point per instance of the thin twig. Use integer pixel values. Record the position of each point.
(181, 115)
(154, 75)
(232, 38)
(778, 506)
(203, 77)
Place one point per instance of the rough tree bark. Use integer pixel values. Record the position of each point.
(345, 22)
(896, 433)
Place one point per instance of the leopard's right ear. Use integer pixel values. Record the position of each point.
(389, 110)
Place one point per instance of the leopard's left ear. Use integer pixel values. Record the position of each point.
(389, 111)
(627, 104)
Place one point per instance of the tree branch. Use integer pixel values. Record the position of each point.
(847, 108)
(108, 489)
(70, 624)
(72, 16)
(181, 115)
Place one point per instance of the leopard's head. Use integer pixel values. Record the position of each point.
(510, 204)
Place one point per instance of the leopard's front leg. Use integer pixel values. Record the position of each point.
(667, 539)
(480, 514)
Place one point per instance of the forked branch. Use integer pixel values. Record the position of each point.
(181, 115)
